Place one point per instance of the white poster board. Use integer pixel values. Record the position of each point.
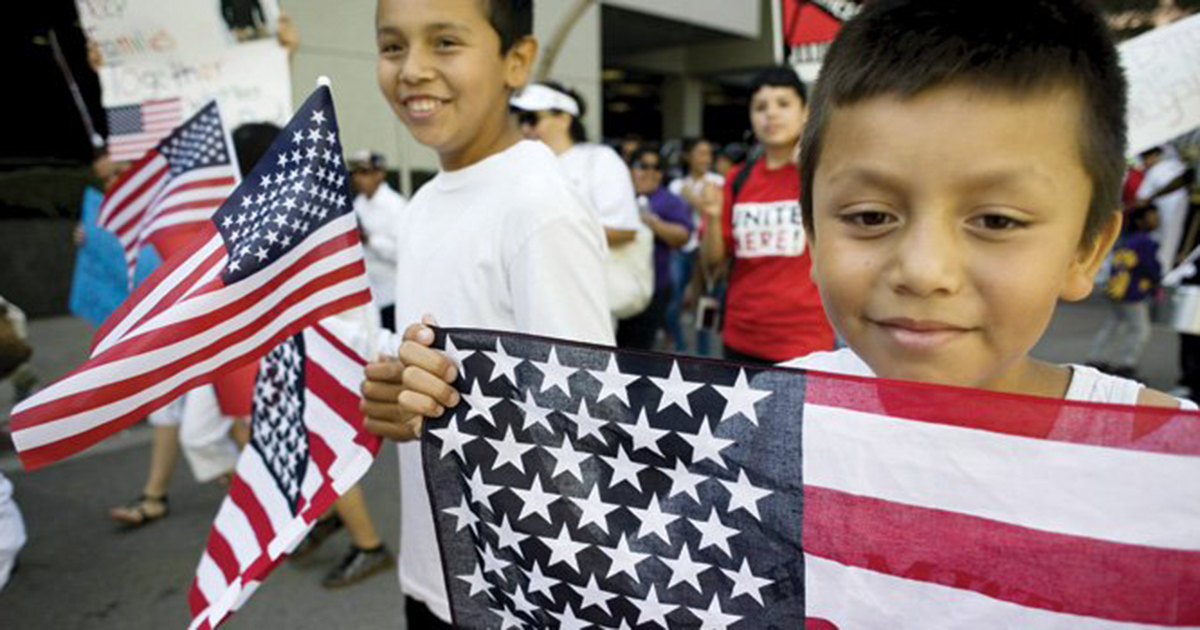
(188, 49)
(251, 82)
(1163, 69)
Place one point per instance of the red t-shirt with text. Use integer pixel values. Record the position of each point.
(773, 310)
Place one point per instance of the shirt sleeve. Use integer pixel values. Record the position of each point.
(557, 282)
(676, 211)
(612, 191)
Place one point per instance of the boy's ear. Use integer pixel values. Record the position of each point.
(518, 62)
(1081, 276)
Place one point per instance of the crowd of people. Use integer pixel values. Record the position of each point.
(851, 237)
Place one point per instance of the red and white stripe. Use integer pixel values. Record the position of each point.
(919, 513)
(255, 526)
(147, 201)
(183, 327)
(158, 119)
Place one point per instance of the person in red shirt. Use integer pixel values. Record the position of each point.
(772, 308)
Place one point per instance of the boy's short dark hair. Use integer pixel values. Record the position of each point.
(1022, 47)
(778, 76)
(512, 19)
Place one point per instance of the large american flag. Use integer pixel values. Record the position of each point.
(174, 187)
(307, 447)
(282, 253)
(578, 485)
(135, 129)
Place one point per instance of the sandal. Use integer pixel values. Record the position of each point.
(140, 511)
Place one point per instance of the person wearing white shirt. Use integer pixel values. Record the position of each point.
(551, 113)
(378, 207)
(1165, 187)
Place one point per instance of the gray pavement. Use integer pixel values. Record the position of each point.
(78, 570)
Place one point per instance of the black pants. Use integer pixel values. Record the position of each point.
(1189, 362)
(419, 617)
(387, 315)
(638, 332)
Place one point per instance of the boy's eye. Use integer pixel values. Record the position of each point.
(869, 219)
(443, 43)
(390, 48)
(999, 222)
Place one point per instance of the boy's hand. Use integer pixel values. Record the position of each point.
(399, 394)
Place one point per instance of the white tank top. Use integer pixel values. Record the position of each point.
(1091, 385)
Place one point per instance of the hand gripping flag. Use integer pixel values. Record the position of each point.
(307, 447)
(281, 254)
(578, 485)
(174, 188)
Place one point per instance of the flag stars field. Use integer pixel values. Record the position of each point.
(625, 531)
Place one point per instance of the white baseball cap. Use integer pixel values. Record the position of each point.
(537, 97)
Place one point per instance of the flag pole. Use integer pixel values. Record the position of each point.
(370, 325)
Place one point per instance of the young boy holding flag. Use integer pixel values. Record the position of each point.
(497, 239)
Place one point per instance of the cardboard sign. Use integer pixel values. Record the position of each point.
(196, 50)
(1163, 69)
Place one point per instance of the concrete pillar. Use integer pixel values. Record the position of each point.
(682, 107)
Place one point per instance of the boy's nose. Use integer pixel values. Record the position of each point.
(417, 66)
(928, 260)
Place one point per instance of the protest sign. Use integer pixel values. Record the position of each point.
(190, 50)
(1163, 69)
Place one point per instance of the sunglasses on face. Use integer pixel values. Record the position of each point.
(529, 118)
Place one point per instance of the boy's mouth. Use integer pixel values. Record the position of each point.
(919, 334)
(421, 106)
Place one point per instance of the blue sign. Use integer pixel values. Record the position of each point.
(99, 284)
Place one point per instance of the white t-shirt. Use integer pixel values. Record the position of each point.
(603, 178)
(503, 244)
(695, 186)
(378, 216)
(1172, 208)
(1087, 384)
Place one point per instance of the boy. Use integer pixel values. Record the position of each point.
(497, 239)
(960, 173)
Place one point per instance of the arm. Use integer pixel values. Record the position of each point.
(669, 232)
(712, 244)
(617, 237)
(613, 197)
(670, 220)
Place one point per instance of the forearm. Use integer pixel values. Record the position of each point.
(673, 234)
(619, 237)
(712, 246)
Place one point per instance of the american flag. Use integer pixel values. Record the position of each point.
(578, 485)
(174, 187)
(281, 254)
(135, 129)
(307, 447)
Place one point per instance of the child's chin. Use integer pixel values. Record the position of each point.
(924, 374)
